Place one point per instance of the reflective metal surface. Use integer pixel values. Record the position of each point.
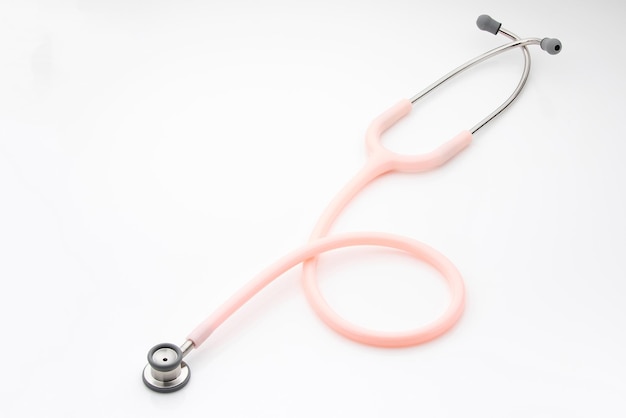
(187, 347)
(517, 43)
(168, 385)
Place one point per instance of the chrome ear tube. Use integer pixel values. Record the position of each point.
(484, 22)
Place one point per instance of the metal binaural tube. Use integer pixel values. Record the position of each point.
(518, 89)
(517, 43)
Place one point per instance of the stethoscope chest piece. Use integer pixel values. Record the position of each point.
(166, 371)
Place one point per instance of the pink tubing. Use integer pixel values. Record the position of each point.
(380, 161)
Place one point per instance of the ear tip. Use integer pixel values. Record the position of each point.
(488, 24)
(551, 45)
(482, 21)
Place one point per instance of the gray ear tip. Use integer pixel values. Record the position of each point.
(551, 45)
(488, 24)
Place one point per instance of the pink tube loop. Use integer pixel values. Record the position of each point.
(380, 161)
(316, 247)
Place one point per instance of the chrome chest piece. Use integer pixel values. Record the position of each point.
(166, 371)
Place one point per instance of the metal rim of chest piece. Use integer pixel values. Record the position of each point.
(166, 371)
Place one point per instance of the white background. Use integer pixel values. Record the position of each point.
(154, 155)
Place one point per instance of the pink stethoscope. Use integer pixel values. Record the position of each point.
(167, 372)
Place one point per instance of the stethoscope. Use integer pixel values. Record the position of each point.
(167, 372)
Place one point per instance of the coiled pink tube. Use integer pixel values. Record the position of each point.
(380, 161)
